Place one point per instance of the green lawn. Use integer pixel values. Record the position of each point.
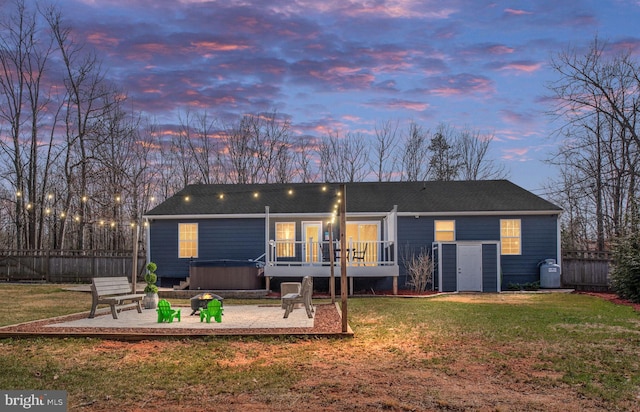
(455, 352)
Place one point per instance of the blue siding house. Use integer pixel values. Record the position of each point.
(482, 235)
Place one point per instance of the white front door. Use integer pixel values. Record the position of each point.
(469, 268)
(312, 232)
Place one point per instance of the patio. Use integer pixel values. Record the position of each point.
(238, 320)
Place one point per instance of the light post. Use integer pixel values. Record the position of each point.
(343, 259)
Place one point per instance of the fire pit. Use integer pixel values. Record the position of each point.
(202, 300)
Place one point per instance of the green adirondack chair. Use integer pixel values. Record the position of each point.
(213, 310)
(165, 313)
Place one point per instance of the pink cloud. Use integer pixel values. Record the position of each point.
(626, 45)
(408, 105)
(511, 116)
(209, 46)
(102, 40)
(462, 84)
(500, 49)
(517, 12)
(516, 154)
(528, 67)
(352, 118)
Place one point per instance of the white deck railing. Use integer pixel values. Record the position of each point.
(313, 253)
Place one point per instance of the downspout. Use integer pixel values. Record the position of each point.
(395, 247)
(148, 239)
(559, 242)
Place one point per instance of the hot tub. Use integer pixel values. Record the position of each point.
(225, 275)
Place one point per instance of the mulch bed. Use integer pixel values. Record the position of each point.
(327, 322)
(613, 298)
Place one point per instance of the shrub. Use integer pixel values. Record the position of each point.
(625, 277)
(419, 269)
(150, 277)
(524, 286)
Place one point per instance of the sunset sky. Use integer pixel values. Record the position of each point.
(347, 65)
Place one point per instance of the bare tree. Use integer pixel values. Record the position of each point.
(271, 137)
(475, 164)
(343, 159)
(445, 161)
(303, 158)
(24, 53)
(241, 154)
(167, 162)
(415, 154)
(384, 158)
(198, 135)
(117, 182)
(85, 91)
(598, 98)
(180, 152)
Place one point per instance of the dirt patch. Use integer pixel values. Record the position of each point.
(511, 298)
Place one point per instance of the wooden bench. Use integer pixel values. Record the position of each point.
(113, 291)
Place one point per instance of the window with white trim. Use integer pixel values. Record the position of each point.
(187, 240)
(445, 230)
(285, 239)
(510, 236)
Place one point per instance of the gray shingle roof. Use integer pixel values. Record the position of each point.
(362, 197)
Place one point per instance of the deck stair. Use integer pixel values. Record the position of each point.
(184, 284)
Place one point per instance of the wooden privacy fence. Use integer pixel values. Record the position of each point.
(586, 270)
(66, 266)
